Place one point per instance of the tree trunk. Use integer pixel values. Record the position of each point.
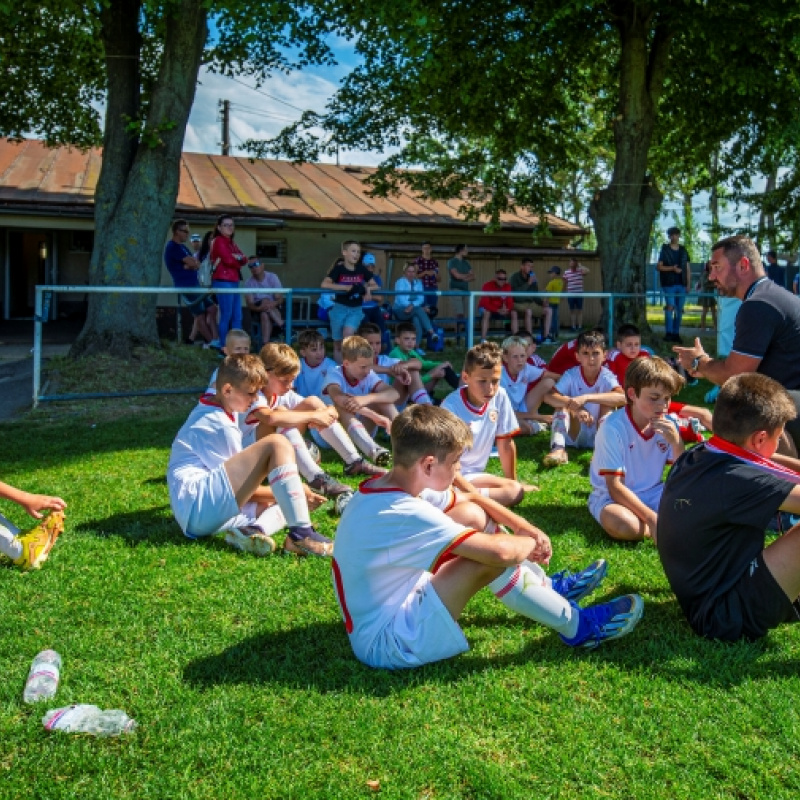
(624, 212)
(138, 182)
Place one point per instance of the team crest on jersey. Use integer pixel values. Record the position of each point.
(662, 446)
(493, 415)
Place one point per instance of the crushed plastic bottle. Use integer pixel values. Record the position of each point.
(83, 718)
(43, 678)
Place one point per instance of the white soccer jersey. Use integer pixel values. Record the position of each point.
(621, 449)
(357, 389)
(248, 421)
(496, 420)
(573, 384)
(310, 381)
(516, 388)
(212, 383)
(386, 361)
(376, 566)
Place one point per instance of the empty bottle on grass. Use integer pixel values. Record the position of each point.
(43, 678)
(85, 718)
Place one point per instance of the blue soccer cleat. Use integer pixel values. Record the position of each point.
(606, 621)
(576, 587)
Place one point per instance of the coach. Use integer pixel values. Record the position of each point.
(767, 337)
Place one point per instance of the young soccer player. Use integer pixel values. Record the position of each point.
(717, 502)
(237, 343)
(632, 447)
(403, 581)
(405, 339)
(357, 392)
(628, 347)
(31, 549)
(582, 397)
(525, 385)
(215, 484)
(484, 405)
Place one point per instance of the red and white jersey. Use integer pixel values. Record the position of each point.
(377, 565)
(573, 383)
(535, 360)
(564, 358)
(248, 421)
(619, 363)
(494, 420)
(620, 448)
(358, 389)
(518, 386)
(310, 380)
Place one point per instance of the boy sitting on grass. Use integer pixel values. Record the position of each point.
(484, 405)
(717, 502)
(237, 343)
(314, 364)
(405, 339)
(403, 581)
(215, 483)
(632, 447)
(357, 391)
(525, 385)
(582, 397)
(31, 549)
(628, 348)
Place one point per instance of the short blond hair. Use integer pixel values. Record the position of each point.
(514, 341)
(355, 347)
(280, 359)
(244, 372)
(644, 372)
(236, 334)
(426, 430)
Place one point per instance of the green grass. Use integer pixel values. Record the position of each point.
(240, 674)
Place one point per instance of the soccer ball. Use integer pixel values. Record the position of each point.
(341, 502)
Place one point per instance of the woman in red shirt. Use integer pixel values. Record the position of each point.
(228, 261)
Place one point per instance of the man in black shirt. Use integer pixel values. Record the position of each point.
(675, 274)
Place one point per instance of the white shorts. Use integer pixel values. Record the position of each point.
(422, 631)
(600, 498)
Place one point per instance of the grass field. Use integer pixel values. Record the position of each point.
(240, 674)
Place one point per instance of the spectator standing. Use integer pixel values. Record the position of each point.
(524, 281)
(497, 307)
(428, 273)
(228, 261)
(675, 274)
(182, 265)
(196, 243)
(708, 301)
(262, 302)
(573, 276)
(409, 300)
(460, 272)
(775, 272)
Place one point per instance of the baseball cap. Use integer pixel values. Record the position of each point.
(196, 237)
(368, 260)
(554, 270)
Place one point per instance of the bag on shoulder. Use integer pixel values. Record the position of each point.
(205, 271)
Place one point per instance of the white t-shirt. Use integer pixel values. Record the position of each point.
(377, 565)
(248, 422)
(621, 449)
(310, 381)
(358, 389)
(496, 420)
(517, 388)
(573, 384)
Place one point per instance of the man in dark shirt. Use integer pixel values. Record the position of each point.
(524, 280)
(767, 338)
(676, 278)
(775, 272)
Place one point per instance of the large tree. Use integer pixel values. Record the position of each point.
(497, 99)
(62, 59)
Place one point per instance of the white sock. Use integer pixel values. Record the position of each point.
(9, 544)
(288, 490)
(362, 439)
(336, 436)
(271, 520)
(528, 593)
(309, 468)
(558, 432)
(421, 397)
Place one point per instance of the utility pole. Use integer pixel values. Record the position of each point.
(225, 105)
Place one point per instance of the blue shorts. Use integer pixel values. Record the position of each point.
(575, 303)
(197, 304)
(342, 317)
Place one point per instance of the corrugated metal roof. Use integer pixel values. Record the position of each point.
(33, 175)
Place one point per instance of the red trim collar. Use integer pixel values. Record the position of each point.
(718, 445)
(470, 407)
(211, 400)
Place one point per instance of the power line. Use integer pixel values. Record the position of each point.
(271, 97)
(245, 110)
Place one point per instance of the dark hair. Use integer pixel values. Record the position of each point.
(459, 248)
(405, 327)
(179, 223)
(772, 254)
(205, 247)
(590, 339)
(219, 222)
(367, 327)
(308, 337)
(672, 230)
(626, 330)
(526, 260)
(424, 430)
(644, 372)
(738, 247)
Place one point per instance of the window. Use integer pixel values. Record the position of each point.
(271, 251)
(82, 242)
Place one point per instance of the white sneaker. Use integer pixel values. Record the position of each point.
(251, 539)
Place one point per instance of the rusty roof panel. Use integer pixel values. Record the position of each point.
(211, 186)
(67, 178)
(349, 203)
(9, 152)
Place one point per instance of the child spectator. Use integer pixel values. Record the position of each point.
(582, 397)
(404, 376)
(497, 307)
(485, 407)
(215, 483)
(525, 385)
(405, 339)
(31, 549)
(428, 273)
(717, 502)
(265, 305)
(403, 580)
(628, 347)
(409, 302)
(573, 278)
(357, 391)
(352, 283)
(315, 367)
(632, 447)
(555, 284)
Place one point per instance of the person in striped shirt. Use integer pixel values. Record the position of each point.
(573, 276)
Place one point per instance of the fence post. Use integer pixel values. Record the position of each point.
(288, 317)
(37, 345)
(611, 321)
(470, 322)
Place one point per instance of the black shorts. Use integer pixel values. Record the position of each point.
(793, 425)
(575, 303)
(752, 607)
(197, 304)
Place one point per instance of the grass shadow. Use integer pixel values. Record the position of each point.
(153, 525)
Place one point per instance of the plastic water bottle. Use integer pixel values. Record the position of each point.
(43, 678)
(83, 718)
